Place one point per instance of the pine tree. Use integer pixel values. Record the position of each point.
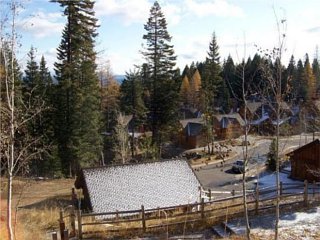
(290, 76)
(316, 72)
(300, 85)
(32, 77)
(37, 85)
(162, 88)
(229, 76)
(78, 123)
(310, 80)
(271, 158)
(50, 164)
(211, 78)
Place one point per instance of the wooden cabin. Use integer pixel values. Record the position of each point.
(228, 126)
(305, 162)
(193, 133)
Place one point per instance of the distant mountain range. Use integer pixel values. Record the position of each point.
(119, 78)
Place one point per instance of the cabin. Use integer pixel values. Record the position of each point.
(228, 126)
(127, 187)
(305, 162)
(192, 134)
(252, 110)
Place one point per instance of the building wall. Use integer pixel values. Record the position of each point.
(232, 131)
(305, 160)
(190, 142)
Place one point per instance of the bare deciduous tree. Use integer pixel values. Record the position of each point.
(273, 95)
(17, 146)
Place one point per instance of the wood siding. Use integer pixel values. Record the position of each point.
(304, 160)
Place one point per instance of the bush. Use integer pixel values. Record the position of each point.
(272, 156)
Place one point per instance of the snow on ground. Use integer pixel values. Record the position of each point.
(303, 225)
(298, 225)
(270, 180)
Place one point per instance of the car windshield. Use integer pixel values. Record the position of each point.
(239, 162)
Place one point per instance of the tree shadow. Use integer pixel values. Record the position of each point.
(52, 202)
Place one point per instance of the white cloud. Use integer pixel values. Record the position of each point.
(129, 10)
(219, 8)
(42, 24)
(172, 13)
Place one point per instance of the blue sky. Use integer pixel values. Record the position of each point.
(190, 23)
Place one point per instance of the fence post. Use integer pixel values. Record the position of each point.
(210, 196)
(305, 193)
(257, 200)
(61, 224)
(202, 208)
(66, 234)
(79, 224)
(143, 219)
(54, 236)
(73, 222)
(73, 197)
(117, 215)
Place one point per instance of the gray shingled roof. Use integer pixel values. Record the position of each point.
(185, 122)
(127, 187)
(236, 116)
(253, 106)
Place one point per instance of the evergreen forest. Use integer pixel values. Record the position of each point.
(77, 115)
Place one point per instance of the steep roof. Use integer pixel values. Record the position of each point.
(127, 187)
(304, 147)
(127, 119)
(253, 106)
(184, 122)
(236, 116)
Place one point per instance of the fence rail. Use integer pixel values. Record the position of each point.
(208, 209)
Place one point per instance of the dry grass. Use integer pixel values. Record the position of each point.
(36, 206)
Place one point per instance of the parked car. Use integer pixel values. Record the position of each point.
(238, 166)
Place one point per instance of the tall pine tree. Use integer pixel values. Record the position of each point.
(211, 78)
(163, 90)
(78, 117)
(38, 93)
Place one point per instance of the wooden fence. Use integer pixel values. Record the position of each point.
(207, 212)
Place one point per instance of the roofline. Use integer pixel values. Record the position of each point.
(131, 164)
(317, 141)
(148, 162)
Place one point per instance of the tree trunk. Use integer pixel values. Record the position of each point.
(9, 207)
(244, 186)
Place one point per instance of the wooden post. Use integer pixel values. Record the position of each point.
(66, 234)
(61, 225)
(73, 197)
(54, 236)
(210, 196)
(117, 215)
(305, 193)
(257, 201)
(79, 224)
(73, 222)
(143, 219)
(202, 208)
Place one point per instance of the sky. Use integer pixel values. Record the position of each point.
(240, 26)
